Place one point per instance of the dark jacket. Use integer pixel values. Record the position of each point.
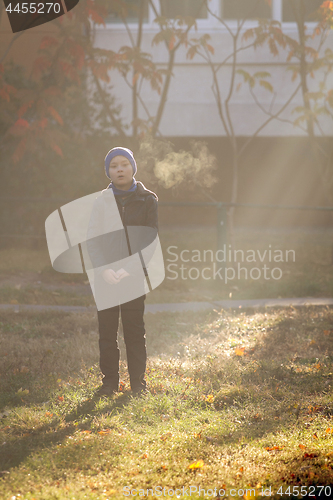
(140, 209)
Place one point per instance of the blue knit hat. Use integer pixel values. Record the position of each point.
(120, 152)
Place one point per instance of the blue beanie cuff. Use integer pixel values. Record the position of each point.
(120, 152)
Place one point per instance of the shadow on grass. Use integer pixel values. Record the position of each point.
(48, 436)
(283, 376)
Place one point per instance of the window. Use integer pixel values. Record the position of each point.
(246, 9)
(173, 8)
(129, 8)
(292, 7)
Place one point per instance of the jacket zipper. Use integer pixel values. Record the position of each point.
(125, 228)
(122, 218)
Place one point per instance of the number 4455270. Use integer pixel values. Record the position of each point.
(32, 8)
(311, 491)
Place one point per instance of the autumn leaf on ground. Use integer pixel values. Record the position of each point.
(302, 446)
(164, 437)
(240, 351)
(274, 448)
(249, 495)
(310, 455)
(104, 432)
(196, 465)
(22, 392)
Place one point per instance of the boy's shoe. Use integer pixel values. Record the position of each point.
(106, 390)
(139, 391)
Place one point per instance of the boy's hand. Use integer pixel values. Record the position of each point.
(110, 276)
(122, 273)
(113, 277)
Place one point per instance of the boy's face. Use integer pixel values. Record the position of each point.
(121, 172)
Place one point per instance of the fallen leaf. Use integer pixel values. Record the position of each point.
(166, 436)
(310, 455)
(196, 465)
(302, 446)
(239, 351)
(22, 392)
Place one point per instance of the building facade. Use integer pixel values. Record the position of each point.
(191, 109)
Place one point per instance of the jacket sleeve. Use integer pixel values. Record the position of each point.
(152, 213)
(94, 244)
(151, 221)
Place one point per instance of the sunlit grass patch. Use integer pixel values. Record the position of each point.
(237, 399)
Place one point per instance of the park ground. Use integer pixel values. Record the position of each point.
(239, 400)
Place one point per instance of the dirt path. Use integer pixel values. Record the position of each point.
(189, 306)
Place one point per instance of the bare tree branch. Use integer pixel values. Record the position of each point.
(271, 117)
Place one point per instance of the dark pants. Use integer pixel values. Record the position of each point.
(135, 339)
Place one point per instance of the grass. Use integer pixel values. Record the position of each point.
(42, 296)
(238, 399)
(311, 274)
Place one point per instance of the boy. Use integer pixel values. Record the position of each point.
(137, 207)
